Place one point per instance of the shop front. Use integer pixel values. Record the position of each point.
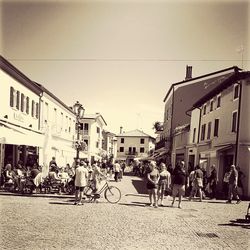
(17, 143)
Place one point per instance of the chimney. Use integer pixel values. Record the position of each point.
(188, 72)
(121, 129)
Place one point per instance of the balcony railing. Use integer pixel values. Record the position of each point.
(131, 153)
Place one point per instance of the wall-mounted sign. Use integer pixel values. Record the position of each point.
(19, 117)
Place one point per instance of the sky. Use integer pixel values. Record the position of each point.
(119, 58)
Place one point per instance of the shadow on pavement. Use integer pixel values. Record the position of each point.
(133, 204)
(140, 186)
(61, 203)
(219, 202)
(238, 223)
(37, 195)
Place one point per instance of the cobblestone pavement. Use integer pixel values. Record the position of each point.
(53, 222)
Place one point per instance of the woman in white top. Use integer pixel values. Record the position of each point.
(164, 183)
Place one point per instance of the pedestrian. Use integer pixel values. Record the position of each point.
(117, 169)
(123, 166)
(164, 183)
(97, 177)
(232, 188)
(191, 183)
(153, 178)
(53, 161)
(81, 177)
(241, 175)
(179, 178)
(212, 180)
(226, 183)
(197, 183)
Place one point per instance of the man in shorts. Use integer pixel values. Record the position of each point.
(81, 178)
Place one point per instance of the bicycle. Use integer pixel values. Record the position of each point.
(111, 193)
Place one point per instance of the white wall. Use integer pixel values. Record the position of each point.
(16, 116)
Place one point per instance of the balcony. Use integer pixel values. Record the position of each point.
(85, 132)
(131, 153)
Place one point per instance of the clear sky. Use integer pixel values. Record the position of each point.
(120, 57)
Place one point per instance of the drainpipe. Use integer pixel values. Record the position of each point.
(171, 132)
(238, 125)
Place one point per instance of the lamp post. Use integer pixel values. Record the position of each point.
(79, 110)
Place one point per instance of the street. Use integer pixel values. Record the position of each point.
(53, 222)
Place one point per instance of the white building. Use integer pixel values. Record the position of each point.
(19, 116)
(134, 144)
(57, 123)
(110, 144)
(91, 133)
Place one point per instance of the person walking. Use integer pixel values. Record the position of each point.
(179, 178)
(81, 177)
(152, 184)
(197, 183)
(117, 169)
(232, 189)
(226, 183)
(164, 183)
(241, 176)
(213, 181)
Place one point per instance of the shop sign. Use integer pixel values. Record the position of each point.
(19, 117)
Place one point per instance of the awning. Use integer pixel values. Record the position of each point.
(10, 134)
(213, 151)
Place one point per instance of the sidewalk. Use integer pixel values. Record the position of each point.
(55, 223)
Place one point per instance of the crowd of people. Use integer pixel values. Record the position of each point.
(161, 180)
(15, 177)
(193, 183)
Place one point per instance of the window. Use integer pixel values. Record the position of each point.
(218, 101)
(141, 150)
(203, 132)
(122, 140)
(87, 142)
(22, 102)
(86, 126)
(209, 130)
(236, 91)
(97, 144)
(37, 110)
(216, 127)
(12, 96)
(32, 108)
(61, 121)
(142, 141)
(234, 121)
(121, 149)
(70, 125)
(98, 130)
(27, 105)
(211, 106)
(204, 109)
(194, 134)
(18, 99)
(67, 123)
(80, 125)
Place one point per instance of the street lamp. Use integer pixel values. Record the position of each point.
(79, 110)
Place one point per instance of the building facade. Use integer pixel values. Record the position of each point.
(134, 144)
(221, 134)
(91, 133)
(57, 123)
(180, 98)
(110, 144)
(20, 136)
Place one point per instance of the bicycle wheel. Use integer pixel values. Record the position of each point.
(112, 194)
